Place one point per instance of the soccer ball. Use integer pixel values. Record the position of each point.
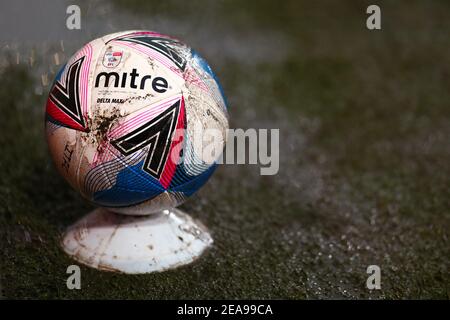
(121, 118)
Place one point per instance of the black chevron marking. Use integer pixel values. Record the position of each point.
(67, 96)
(157, 134)
(162, 45)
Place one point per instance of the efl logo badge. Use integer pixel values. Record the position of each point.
(112, 58)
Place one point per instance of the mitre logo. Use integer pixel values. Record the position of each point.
(132, 80)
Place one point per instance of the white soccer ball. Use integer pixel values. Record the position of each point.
(122, 117)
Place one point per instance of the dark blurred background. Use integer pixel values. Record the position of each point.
(364, 125)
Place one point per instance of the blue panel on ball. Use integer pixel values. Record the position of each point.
(190, 184)
(205, 67)
(59, 74)
(132, 186)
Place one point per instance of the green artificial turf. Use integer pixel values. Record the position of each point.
(364, 119)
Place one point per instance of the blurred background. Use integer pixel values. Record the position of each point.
(364, 125)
